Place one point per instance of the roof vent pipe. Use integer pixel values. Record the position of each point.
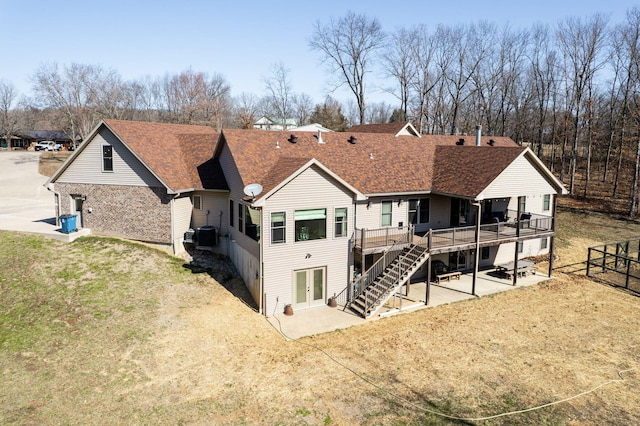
(320, 141)
(352, 139)
(478, 135)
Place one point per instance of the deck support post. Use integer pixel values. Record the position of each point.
(428, 287)
(553, 229)
(362, 257)
(515, 256)
(477, 252)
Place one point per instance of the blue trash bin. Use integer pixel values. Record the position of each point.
(68, 222)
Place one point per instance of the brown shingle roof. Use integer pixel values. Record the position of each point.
(467, 170)
(180, 155)
(375, 164)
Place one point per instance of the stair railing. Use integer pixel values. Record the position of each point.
(417, 249)
(359, 284)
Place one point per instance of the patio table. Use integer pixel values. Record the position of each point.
(525, 267)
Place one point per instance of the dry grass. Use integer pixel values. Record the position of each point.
(107, 332)
(51, 161)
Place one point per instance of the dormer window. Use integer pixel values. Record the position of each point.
(107, 158)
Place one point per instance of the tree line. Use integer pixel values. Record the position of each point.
(569, 91)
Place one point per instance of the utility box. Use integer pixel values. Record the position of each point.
(68, 222)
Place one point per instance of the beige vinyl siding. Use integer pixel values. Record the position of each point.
(127, 170)
(312, 189)
(236, 187)
(505, 252)
(440, 211)
(371, 217)
(181, 220)
(215, 203)
(520, 178)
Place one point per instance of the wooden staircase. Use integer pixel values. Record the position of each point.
(386, 284)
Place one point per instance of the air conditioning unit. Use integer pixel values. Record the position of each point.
(207, 236)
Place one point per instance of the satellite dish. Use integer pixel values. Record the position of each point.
(252, 189)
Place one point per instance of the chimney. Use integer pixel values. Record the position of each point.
(478, 135)
(320, 141)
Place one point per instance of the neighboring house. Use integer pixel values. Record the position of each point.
(273, 123)
(27, 139)
(301, 213)
(135, 180)
(397, 129)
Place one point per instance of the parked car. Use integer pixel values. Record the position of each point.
(48, 146)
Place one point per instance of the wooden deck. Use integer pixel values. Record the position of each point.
(451, 239)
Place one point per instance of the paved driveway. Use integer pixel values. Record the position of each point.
(25, 204)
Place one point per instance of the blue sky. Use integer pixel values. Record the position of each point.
(239, 39)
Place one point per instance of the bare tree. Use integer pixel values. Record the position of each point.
(631, 46)
(426, 77)
(542, 82)
(195, 98)
(468, 46)
(581, 44)
(379, 112)
(144, 99)
(400, 64)
(280, 93)
(8, 120)
(347, 45)
(246, 109)
(303, 108)
(75, 91)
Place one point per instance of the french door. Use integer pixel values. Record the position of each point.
(309, 287)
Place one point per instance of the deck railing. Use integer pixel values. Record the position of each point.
(530, 224)
(383, 237)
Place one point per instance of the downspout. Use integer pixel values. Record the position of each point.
(477, 253)
(261, 309)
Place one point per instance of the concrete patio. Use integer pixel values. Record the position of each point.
(324, 319)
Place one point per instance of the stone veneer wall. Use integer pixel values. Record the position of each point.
(132, 212)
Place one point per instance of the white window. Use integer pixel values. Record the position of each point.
(546, 203)
(340, 219)
(310, 224)
(278, 227)
(387, 207)
(197, 202)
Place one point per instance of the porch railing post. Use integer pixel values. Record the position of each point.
(626, 284)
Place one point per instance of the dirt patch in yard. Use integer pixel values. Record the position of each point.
(106, 332)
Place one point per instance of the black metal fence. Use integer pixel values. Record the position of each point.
(616, 263)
